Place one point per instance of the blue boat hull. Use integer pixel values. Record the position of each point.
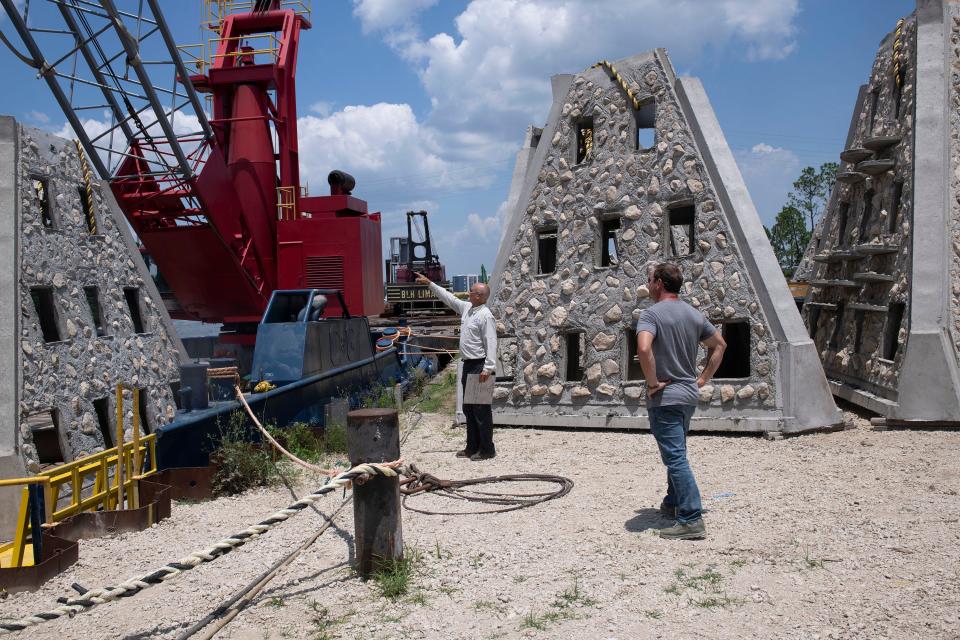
(191, 437)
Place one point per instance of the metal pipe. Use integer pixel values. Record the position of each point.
(119, 444)
(136, 447)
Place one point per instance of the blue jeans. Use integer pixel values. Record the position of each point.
(669, 426)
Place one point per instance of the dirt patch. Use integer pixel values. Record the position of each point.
(852, 534)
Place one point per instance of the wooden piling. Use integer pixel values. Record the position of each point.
(373, 435)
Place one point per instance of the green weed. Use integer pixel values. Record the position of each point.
(378, 396)
(573, 596)
(323, 623)
(240, 464)
(489, 605)
(393, 577)
(709, 583)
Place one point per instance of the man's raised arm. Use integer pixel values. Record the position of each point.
(443, 295)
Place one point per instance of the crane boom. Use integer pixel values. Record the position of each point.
(215, 195)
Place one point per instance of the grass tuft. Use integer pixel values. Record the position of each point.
(393, 577)
(241, 465)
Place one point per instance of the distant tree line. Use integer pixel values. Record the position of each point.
(794, 225)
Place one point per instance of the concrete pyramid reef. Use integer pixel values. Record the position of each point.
(80, 312)
(632, 167)
(884, 308)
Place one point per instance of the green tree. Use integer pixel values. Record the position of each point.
(811, 191)
(789, 238)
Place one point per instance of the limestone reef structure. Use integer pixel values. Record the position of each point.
(79, 314)
(884, 307)
(632, 168)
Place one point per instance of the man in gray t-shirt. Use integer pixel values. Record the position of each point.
(668, 337)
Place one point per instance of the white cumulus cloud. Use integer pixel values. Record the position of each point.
(388, 14)
(769, 172)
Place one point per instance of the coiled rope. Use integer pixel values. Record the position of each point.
(420, 482)
(88, 186)
(171, 570)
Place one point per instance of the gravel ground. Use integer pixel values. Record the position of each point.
(852, 534)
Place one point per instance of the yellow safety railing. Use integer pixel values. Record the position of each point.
(286, 203)
(111, 476)
(215, 11)
(257, 46)
(194, 54)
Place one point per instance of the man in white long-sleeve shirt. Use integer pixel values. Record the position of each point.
(478, 350)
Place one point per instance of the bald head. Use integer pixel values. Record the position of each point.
(479, 294)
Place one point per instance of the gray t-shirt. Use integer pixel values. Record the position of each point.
(677, 330)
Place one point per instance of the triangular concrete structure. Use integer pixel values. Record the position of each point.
(614, 180)
(884, 308)
(80, 312)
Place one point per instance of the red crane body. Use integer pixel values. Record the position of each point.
(240, 228)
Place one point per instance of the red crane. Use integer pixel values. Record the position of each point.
(216, 200)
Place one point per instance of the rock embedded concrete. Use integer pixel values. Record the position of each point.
(601, 280)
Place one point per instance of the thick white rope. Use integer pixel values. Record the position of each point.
(171, 570)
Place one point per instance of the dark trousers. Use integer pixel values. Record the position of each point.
(479, 416)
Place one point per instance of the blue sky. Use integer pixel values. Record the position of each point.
(427, 101)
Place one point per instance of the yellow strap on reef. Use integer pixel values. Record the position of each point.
(88, 182)
(897, 46)
(623, 84)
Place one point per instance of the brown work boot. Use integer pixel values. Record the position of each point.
(465, 454)
(695, 530)
(482, 456)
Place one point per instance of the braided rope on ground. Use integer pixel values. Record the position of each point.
(171, 570)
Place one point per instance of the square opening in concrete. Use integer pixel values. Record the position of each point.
(608, 228)
(837, 335)
(891, 331)
(843, 213)
(96, 311)
(132, 294)
(736, 359)
(102, 407)
(547, 250)
(867, 214)
(44, 428)
(813, 320)
(633, 369)
(575, 350)
(584, 127)
(41, 191)
(46, 313)
(874, 105)
(897, 98)
(86, 208)
(893, 209)
(680, 230)
(645, 126)
(146, 427)
(858, 317)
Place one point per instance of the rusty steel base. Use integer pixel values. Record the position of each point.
(60, 540)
